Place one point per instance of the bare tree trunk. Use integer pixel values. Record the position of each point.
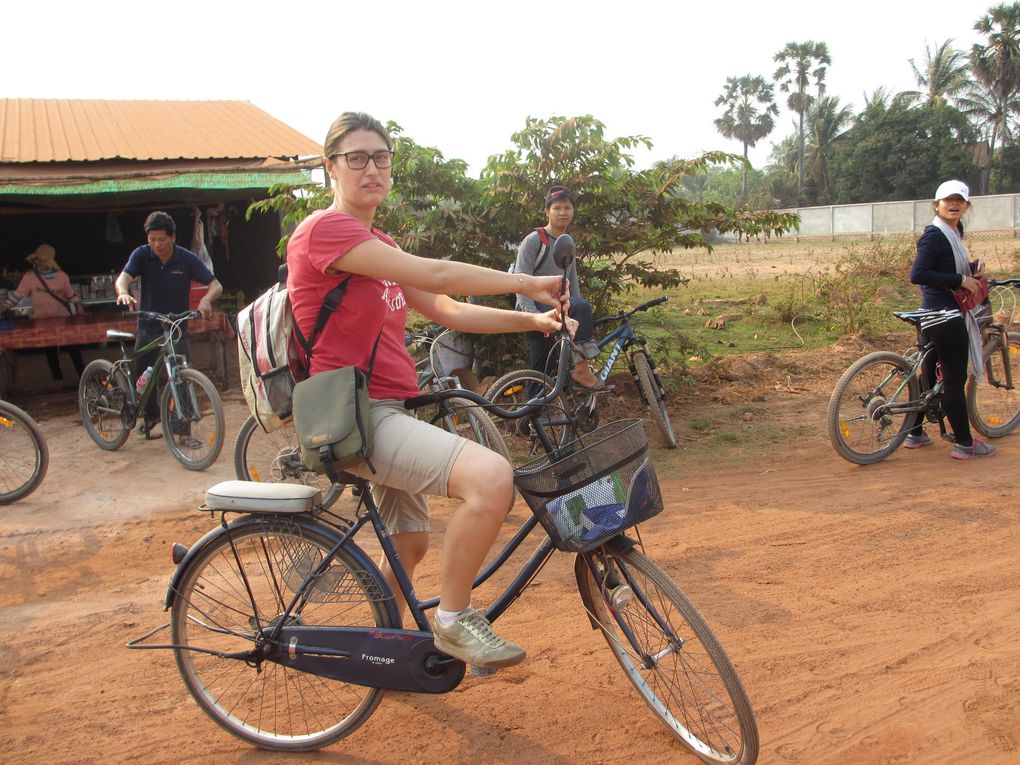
(800, 159)
(743, 184)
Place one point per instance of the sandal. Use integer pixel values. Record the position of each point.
(599, 387)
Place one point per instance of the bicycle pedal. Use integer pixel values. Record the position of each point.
(482, 671)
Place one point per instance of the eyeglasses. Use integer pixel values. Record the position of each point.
(358, 160)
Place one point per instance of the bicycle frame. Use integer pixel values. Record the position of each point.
(330, 641)
(165, 365)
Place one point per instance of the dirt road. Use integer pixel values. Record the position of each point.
(873, 614)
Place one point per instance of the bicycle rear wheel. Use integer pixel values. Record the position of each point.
(103, 397)
(465, 419)
(257, 699)
(275, 457)
(994, 405)
(654, 396)
(24, 456)
(669, 653)
(860, 426)
(193, 433)
(512, 391)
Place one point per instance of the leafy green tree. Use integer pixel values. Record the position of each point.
(800, 64)
(900, 151)
(996, 69)
(779, 182)
(749, 115)
(625, 218)
(942, 75)
(826, 121)
(992, 113)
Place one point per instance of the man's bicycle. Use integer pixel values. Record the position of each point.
(576, 410)
(274, 456)
(190, 411)
(24, 455)
(287, 635)
(883, 395)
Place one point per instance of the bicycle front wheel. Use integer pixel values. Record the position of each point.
(654, 396)
(218, 632)
(103, 402)
(861, 427)
(669, 654)
(24, 456)
(994, 405)
(512, 391)
(193, 420)
(275, 457)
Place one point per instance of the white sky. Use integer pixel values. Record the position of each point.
(463, 76)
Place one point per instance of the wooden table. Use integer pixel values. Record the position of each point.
(89, 329)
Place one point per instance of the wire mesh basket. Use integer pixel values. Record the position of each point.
(594, 487)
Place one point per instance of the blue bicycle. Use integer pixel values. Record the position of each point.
(576, 409)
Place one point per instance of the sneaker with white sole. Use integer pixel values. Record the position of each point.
(975, 450)
(471, 639)
(917, 442)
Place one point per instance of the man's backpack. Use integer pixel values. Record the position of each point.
(543, 249)
(269, 350)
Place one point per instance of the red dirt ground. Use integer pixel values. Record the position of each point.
(873, 613)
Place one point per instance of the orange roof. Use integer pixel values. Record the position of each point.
(51, 130)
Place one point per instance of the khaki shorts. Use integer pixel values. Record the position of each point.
(412, 461)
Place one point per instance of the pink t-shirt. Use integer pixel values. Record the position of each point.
(44, 305)
(368, 305)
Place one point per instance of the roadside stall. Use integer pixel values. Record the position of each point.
(89, 199)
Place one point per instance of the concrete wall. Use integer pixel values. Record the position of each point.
(994, 213)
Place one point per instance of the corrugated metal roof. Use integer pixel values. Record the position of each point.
(52, 130)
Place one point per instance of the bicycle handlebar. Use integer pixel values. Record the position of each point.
(1014, 282)
(166, 318)
(627, 314)
(426, 334)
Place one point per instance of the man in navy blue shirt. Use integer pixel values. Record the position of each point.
(167, 272)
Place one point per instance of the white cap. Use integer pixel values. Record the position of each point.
(949, 188)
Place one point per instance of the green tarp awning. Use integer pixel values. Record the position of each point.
(197, 181)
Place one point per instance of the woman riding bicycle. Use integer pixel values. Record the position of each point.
(412, 459)
(941, 265)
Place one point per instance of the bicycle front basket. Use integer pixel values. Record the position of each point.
(592, 488)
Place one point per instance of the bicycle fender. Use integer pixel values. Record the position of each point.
(621, 543)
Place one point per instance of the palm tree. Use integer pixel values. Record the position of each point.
(801, 62)
(826, 121)
(944, 73)
(996, 68)
(750, 113)
(992, 113)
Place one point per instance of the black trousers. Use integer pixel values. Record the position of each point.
(142, 338)
(53, 360)
(540, 355)
(952, 344)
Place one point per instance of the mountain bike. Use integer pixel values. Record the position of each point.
(24, 455)
(287, 635)
(275, 456)
(883, 395)
(110, 399)
(576, 411)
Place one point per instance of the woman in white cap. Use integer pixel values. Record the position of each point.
(941, 265)
(51, 294)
